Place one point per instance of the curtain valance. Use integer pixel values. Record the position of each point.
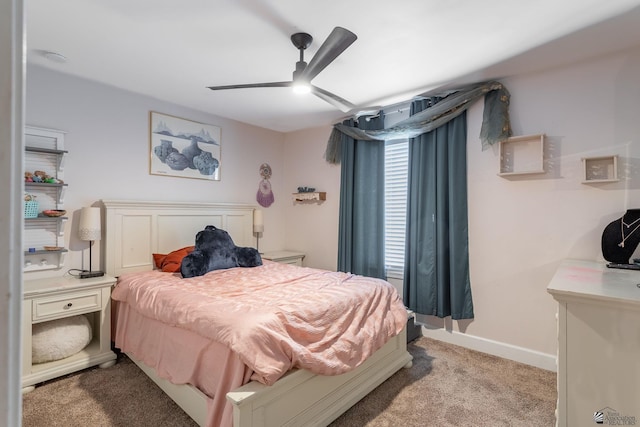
(495, 123)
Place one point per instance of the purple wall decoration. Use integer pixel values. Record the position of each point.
(265, 195)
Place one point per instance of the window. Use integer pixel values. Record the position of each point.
(395, 205)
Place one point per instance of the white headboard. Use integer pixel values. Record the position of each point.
(137, 229)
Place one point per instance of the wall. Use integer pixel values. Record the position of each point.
(108, 143)
(520, 229)
(312, 228)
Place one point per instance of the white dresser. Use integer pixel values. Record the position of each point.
(598, 344)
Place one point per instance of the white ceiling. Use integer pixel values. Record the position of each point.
(172, 49)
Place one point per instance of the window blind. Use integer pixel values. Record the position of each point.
(396, 167)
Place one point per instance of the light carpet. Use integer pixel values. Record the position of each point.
(447, 386)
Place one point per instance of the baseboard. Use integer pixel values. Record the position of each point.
(507, 351)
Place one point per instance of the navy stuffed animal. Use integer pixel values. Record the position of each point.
(215, 250)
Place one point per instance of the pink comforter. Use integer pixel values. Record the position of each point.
(276, 316)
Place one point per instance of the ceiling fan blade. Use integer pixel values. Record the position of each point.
(339, 39)
(251, 85)
(332, 99)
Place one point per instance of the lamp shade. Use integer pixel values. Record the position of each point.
(90, 224)
(258, 223)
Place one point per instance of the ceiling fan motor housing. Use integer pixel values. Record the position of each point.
(300, 66)
(301, 40)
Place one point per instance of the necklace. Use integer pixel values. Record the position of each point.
(629, 225)
(624, 238)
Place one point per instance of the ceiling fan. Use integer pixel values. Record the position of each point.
(339, 40)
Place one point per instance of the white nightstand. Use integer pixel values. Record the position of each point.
(285, 257)
(59, 297)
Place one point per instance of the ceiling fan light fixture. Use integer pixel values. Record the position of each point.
(301, 87)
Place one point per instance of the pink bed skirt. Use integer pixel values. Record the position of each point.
(183, 357)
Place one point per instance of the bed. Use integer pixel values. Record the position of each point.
(137, 229)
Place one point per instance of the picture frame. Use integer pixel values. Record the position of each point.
(183, 148)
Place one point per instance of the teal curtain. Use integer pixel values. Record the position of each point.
(361, 216)
(436, 279)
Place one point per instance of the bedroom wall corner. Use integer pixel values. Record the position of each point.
(312, 227)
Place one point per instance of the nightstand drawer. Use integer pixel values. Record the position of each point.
(66, 305)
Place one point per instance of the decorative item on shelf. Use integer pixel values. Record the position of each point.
(30, 206)
(90, 229)
(258, 226)
(265, 195)
(306, 189)
(54, 212)
(41, 177)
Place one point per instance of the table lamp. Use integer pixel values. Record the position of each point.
(258, 226)
(90, 229)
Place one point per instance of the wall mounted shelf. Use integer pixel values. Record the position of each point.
(522, 155)
(317, 196)
(600, 169)
(44, 151)
(45, 251)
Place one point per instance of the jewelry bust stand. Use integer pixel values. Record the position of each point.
(621, 237)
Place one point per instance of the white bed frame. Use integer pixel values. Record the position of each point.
(136, 229)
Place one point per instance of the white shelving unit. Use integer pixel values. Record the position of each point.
(44, 151)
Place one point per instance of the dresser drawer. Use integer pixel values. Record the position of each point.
(66, 305)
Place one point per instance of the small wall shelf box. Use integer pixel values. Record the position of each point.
(522, 155)
(600, 169)
(313, 196)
